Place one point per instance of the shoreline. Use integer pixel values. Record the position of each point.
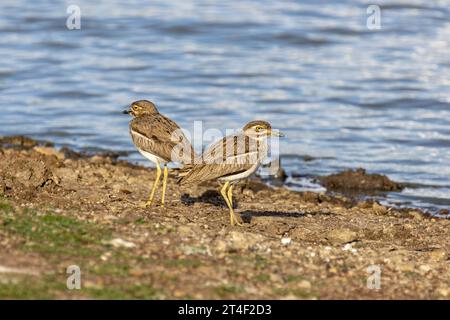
(57, 210)
(352, 185)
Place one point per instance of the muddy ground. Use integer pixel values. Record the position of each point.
(59, 208)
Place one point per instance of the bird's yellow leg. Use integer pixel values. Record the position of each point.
(230, 195)
(230, 200)
(155, 185)
(223, 192)
(166, 173)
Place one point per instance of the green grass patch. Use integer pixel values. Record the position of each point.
(188, 263)
(112, 269)
(225, 291)
(51, 287)
(56, 234)
(31, 288)
(5, 206)
(140, 221)
(298, 293)
(263, 277)
(261, 262)
(141, 291)
(294, 278)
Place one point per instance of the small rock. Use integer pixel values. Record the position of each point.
(304, 285)
(98, 159)
(178, 293)
(243, 240)
(220, 246)
(378, 208)
(184, 231)
(341, 236)
(349, 247)
(275, 278)
(5, 269)
(248, 193)
(105, 256)
(286, 241)
(92, 284)
(425, 268)
(48, 151)
(136, 272)
(416, 215)
(190, 250)
(120, 243)
(443, 292)
(405, 267)
(364, 204)
(438, 255)
(66, 177)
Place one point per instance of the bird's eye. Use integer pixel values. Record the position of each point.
(135, 107)
(258, 129)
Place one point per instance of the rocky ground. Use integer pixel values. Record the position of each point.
(60, 208)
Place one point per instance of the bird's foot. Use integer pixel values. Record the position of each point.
(146, 204)
(235, 219)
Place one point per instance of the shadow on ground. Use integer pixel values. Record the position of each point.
(249, 214)
(209, 196)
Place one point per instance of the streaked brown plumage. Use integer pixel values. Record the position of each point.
(232, 155)
(231, 159)
(159, 139)
(158, 135)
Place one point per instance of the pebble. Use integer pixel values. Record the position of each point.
(304, 284)
(405, 267)
(285, 241)
(380, 209)
(220, 246)
(105, 256)
(5, 269)
(120, 243)
(184, 231)
(443, 292)
(243, 240)
(438, 255)
(341, 236)
(275, 277)
(416, 215)
(48, 151)
(349, 247)
(136, 272)
(425, 268)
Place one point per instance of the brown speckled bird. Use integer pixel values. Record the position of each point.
(231, 159)
(159, 139)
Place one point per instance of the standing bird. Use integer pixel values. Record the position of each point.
(159, 139)
(231, 159)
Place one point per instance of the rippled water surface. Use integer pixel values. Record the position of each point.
(345, 95)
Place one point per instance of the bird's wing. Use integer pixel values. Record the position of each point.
(162, 137)
(231, 155)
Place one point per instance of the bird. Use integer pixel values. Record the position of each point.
(159, 139)
(231, 159)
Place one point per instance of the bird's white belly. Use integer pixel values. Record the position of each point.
(241, 175)
(152, 157)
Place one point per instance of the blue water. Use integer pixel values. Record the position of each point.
(345, 95)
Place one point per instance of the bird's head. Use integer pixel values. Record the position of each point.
(140, 108)
(260, 129)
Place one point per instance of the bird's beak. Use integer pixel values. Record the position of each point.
(276, 133)
(126, 111)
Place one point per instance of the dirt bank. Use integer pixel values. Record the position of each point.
(359, 181)
(57, 211)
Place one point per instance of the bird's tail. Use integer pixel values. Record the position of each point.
(183, 173)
